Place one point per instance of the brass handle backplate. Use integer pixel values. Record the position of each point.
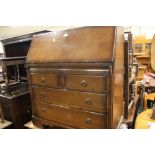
(88, 121)
(88, 101)
(43, 109)
(42, 94)
(43, 79)
(84, 83)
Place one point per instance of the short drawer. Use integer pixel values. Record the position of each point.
(75, 99)
(97, 84)
(49, 80)
(71, 117)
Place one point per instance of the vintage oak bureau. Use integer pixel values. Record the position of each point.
(76, 78)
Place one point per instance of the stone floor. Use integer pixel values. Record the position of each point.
(5, 124)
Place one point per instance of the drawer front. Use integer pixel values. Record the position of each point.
(70, 117)
(49, 80)
(97, 84)
(75, 99)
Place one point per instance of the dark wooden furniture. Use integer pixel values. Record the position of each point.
(131, 70)
(14, 91)
(1, 115)
(19, 46)
(13, 80)
(16, 108)
(76, 78)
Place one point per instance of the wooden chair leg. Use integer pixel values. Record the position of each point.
(1, 115)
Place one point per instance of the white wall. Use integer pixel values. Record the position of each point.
(148, 31)
(13, 31)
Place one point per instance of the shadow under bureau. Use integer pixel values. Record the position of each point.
(76, 78)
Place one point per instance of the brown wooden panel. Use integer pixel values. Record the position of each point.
(97, 84)
(118, 80)
(71, 117)
(80, 100)
(49, 80)
(153, 53)
(85, 44)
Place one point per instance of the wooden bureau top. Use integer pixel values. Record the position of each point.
(84, 44)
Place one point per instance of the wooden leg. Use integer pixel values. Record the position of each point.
(5, 76)
(1, 115)
(18, 73)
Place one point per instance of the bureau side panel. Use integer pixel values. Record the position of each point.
(118, 78)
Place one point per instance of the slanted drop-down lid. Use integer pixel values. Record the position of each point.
(84, 44)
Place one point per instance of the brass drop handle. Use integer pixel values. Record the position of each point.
(43, 109)
(84, 83)
(43, 79)
(42, 94)
(88, 121)
(88, 101)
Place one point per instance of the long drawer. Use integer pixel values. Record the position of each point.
(70, 117)
(43, 79)
(75, 99)
(89, 83)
